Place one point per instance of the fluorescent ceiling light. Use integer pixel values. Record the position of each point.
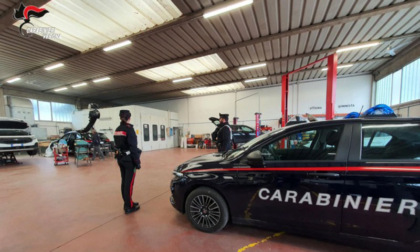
(184, 68)
(215, 89)
(60, 89)
(338, 67)
(350, 48)
(181, 80)
(54, 66)
(257, 79)
(227, 8)
(13, 80)
(79, 85)
(124, 43)
(252, 66)
(101, 79)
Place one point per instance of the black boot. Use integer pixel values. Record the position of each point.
(132, 209)
(134, 204)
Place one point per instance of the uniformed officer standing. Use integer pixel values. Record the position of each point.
(224, 135)
(128, 156)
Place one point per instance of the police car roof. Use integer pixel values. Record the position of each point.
(379, 119)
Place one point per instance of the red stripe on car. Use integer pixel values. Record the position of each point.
(361, 168)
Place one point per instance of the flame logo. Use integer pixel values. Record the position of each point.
(26, 12)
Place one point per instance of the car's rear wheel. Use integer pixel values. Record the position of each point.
(207, 210)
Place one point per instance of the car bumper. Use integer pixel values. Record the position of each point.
(178, 193)
(19, 147)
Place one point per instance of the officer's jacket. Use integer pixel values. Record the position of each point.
(126, 140)
(224, 137)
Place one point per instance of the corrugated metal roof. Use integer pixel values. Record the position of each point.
(284, 33)
(185, 68)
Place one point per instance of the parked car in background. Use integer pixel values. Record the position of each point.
(15, 136)
(240, 133)
(71, 136)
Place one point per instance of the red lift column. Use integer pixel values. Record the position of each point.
(331, 86)
(257, 124)
(284, 98)
(235, 120)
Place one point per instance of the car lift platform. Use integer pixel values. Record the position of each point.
(8, 158)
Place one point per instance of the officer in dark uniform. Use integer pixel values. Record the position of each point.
(128, 156)
(224, 135)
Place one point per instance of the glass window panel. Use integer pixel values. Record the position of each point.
(44, 111)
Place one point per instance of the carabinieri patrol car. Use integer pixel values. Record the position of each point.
(358, 178)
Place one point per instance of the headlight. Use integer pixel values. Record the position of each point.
(178, 174)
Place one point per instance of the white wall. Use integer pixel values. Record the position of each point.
(305, 97)
(110, 120)
(53, 128)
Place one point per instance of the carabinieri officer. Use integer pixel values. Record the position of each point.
(128, 156)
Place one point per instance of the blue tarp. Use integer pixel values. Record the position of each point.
(379, 110)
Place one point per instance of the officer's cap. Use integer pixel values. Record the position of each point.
(225, 116)
(125, 114)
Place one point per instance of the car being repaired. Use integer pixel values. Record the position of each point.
(15, 136)
(354, 179)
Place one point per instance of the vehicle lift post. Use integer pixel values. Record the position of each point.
(331, 88)
(257, 124)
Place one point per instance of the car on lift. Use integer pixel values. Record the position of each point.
(71, 136)
(353, 180)
(15, 136)
(241, 134)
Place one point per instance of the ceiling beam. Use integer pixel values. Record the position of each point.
(242, 80)
(333, 22)
(326, 51)
(195, 15)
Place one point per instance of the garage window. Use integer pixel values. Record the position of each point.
(391, 141)
(162, 132)
(146, 134)
(155, 132)
(315, 144)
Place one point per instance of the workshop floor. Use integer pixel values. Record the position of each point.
(67, 208)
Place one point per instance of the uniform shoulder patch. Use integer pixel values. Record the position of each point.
(120, 133)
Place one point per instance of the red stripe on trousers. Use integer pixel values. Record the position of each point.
(131, 188)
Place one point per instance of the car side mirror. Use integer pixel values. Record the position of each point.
(255, 159)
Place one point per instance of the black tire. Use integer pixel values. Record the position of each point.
(207, 210)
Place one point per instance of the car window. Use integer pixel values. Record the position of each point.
(246, 129)
(103, 136)
(314, 144)
(391, 141)
(66, 137)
